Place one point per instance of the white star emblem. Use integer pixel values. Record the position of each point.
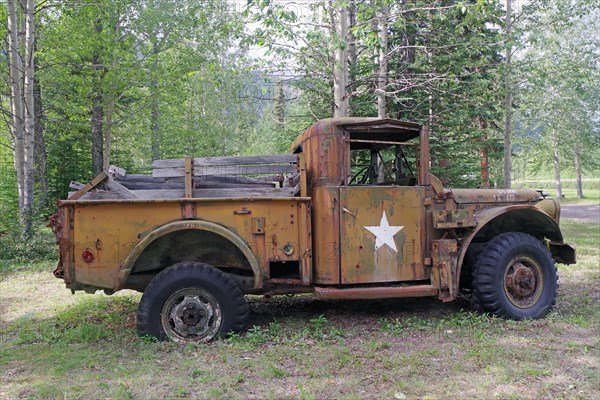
(384, 233)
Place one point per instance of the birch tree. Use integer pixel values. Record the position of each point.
(559, 92)
(340, 64)
(21, 76)
(382, 77)
(508, 103)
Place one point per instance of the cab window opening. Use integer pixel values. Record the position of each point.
(376, 163)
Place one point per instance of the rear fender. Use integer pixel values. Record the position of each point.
(176, 226)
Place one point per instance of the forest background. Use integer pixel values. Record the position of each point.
(510, 89)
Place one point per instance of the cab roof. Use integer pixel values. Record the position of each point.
(385, 129)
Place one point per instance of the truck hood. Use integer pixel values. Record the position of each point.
(483, 196)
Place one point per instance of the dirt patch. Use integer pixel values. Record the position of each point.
(585, 212)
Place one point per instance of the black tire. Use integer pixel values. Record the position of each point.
(191, 302)
(515, 277)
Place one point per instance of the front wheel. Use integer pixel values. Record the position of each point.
(515, 277)
(191, 302)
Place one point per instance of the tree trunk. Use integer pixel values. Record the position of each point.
(16, 100)
(340, 68)
(578, 183)
(556, 160)
(40, 155)
(483, 153)
(110, 107)
(383, 68)
(97, 140)
(154, 121)
(155, 138)
(97, 108)
(29, 138)
(279, 105)
(405, 79)
(352, 56)
(23, 110)
(508, 100)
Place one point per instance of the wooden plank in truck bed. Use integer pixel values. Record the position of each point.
(89, 186)
(212, 161)
(226, 170)
(121, 190)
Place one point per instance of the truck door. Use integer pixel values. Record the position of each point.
(382, 223)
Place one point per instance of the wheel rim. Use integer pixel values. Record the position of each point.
(191, 315)
(523, 282)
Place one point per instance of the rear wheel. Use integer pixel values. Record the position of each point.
(191, 302)
(515, 277)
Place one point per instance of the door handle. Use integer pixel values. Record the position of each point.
(344, 209)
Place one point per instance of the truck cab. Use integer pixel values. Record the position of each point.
(368, 201)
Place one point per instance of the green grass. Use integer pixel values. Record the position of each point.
(591, 196)
(58, 346)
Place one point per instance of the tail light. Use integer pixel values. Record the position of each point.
(87, 255)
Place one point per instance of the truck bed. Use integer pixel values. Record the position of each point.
(210, 177)
(261, 200)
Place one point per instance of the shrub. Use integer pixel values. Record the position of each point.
(41, 246)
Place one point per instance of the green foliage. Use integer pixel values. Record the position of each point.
(9, 201)
(202, 78)
(170, 76)
(443, 69)
(256, 336)
(559, 96)
(41, 246)
(317, 327)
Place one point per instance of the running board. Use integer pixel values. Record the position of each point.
(385, 292)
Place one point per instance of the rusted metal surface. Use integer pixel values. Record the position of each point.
(326, 235)
(444, 254)
(562, 253)
(122, 225)
(456, 218)
(325, 144)
(550, 207)
(381, 234)
(522, 282)
(179, 200)
(62, 239)
(495, 196)
(518, 218)
(380, 142)
(385, 292)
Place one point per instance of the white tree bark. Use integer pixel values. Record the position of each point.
(110, 108)
(340, 68)
(16, 97)
(577, 162)
(508, 99)
(21, 72)
(556, 160)
(382, 75)
(352, 56)
(29, 99)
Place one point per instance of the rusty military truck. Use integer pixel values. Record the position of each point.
(352, 213)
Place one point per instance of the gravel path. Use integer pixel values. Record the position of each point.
(586, 212)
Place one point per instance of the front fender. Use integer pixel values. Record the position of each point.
(517, 218)
(175, 226)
